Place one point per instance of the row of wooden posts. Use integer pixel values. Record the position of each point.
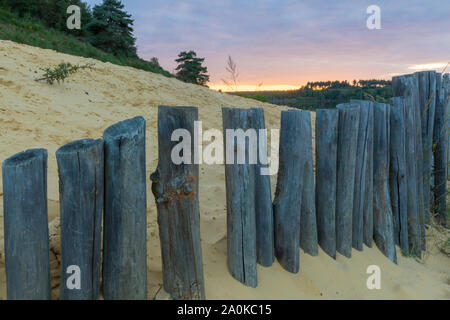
(372, 181)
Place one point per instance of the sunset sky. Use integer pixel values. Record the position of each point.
(283, 44)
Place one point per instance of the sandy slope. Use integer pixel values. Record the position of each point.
(38, 115)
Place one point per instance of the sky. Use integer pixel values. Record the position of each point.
(282, 44)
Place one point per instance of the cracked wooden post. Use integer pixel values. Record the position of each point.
(263, 196)
(308, 221)
(27, 255)
(407, 86)
(383, 219)
(398, 179)
(427, 99)
(346, 170)
(124, 273)
(288, 195)
(362, 224)
(175, 187)
(240, 191)
(326, 173)
(446, 99)
(440, 153)
(81, 171)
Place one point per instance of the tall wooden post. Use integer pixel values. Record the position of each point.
(175, 187)
(346, 169)
(363, 196)
(125, 235)
(326, 174)
(26, 226)
(263, 196)
(308, 221)
(398, 179)
(440, 152)
(288, 195)
(240, 189)
(383, 218)
(81, 177)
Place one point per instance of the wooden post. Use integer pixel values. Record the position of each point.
(346, 169)
(326, 174)
(125, 235)
(26, 226)
(240, 190)
(308, 221)
(288, 195)
(446, 99)
(407, 86)
(398, 180)
(175, 187)
(383, 219)
(363, 196)
(440, 153)
(81, 171)
(263, 196)
(427, 99)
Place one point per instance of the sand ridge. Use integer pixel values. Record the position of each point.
(35, 114)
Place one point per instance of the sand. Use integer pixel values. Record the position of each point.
(37, 115)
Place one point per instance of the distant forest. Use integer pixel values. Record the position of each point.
(325, 94)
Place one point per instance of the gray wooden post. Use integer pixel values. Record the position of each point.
(81, 171)
(346, 169)
(175, 187)
(440, 153)
(263, 196)
(26, 226)
(427, 98)
(398, 180)
(288, 194)
(363, 196)
(407, 86)
(240, 192)
(308, 221)
(326, 173)
(446, 99)
(383, 219)
(125, 220)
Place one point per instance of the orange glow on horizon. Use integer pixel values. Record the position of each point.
(252, 87)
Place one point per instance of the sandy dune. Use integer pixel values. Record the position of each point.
(36, 114)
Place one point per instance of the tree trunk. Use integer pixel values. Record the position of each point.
(124, 238)
(175, 187)
(326, 174)
(26, 226)
(81, 171)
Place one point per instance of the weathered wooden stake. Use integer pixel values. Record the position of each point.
(240, 190)
(363, 196)
(346, 169)
(308, 221)
(383, 218)
(398, 179)
(124, 239)
(263, 196)
(326, 173)
(26, 226)
(427, 99)
(81, 177)
(440, 152)
(288, 195)
(175, 187)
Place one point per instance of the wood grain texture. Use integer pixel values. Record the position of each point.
(383, 218)
(27, 258)
(240, 192)
(175, 187)
(346, 169)
(125, 219)
(81, 196)
(327, 121)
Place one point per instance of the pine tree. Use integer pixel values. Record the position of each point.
(190, 68)
(112, 29)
